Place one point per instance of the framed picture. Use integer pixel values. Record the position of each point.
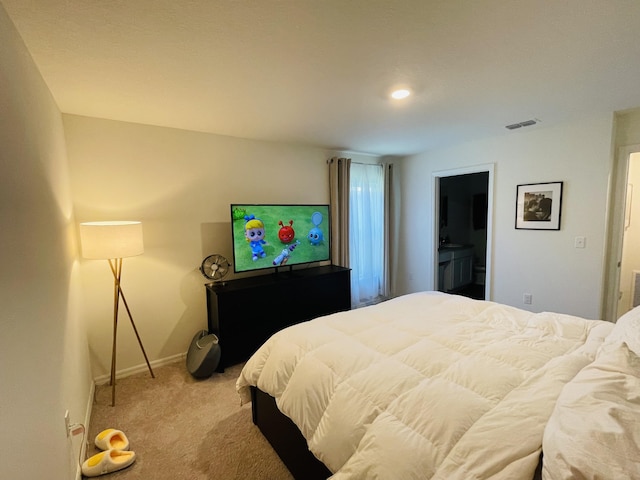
(538, 206)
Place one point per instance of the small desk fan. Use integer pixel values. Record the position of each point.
(215, 267)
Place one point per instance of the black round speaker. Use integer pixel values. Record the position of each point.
(203, 356)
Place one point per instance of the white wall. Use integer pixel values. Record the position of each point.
(179, 184)
(44, 363)
(544, 263)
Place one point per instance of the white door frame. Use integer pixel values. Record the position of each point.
(436, 176)
(615, 235)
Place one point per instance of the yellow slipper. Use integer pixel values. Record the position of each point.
(112, 439)
(107, 462)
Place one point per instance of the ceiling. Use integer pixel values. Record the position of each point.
(318, 72)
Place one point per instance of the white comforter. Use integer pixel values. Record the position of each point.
(427, 385)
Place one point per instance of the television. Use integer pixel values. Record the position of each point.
(274, 236)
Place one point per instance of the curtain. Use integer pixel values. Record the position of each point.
(339, 197)
(368, 233)
(388, 206)
(360, 232)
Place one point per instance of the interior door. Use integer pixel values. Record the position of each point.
(442, 215)
(629, 283)
(615, 300)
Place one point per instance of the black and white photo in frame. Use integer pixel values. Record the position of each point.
(538, 206)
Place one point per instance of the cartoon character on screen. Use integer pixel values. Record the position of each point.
(281, 259)
(316, 237)
(254, 231)
(286, 232)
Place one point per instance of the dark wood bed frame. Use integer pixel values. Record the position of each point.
(285, 438)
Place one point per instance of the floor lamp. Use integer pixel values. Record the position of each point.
(114, 241)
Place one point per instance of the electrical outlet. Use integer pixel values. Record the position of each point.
(67, 422)
(527, 298)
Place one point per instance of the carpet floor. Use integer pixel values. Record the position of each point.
(184, 428)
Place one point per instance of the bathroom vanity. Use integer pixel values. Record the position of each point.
(455, 266)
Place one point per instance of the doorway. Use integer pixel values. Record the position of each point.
(463, 205)
(623, 260)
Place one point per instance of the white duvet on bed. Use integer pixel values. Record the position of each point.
(593, 432)
(427, 385)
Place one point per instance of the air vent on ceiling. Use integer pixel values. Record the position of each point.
(526, 123)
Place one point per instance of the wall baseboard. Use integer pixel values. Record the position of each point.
(102, 379)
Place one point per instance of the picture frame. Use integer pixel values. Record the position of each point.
(539, 206)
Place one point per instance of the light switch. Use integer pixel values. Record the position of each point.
(580, 242)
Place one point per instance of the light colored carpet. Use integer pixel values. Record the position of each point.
(184, 428)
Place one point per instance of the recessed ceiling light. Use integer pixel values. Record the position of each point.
(400, 93)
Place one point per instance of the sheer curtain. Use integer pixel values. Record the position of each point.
(367, 233)
(360, 199)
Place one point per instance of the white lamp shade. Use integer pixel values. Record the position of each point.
(105, 240)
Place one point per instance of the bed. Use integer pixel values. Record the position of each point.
(433, 385)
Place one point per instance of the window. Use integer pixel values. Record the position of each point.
(367, 233)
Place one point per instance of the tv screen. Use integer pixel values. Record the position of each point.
(273, 236)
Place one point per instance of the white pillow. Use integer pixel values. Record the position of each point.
(594, 430)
